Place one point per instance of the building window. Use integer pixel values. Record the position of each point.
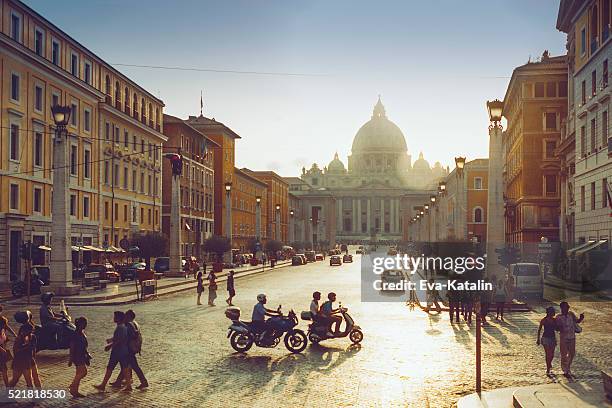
(74, 64)
(39, 42)
(539, 89)
(593, 83)
(73, 160)
(87, 119)
(116, 214)
(582, 199)
(126, 138)
(107, 131)
(550, 184)
(73, 205)
(593, 195)
(14, 143)
(134, 143)
(15, 87)
(604, 78)
(477, 183)
(142, 182)
(55, 52)
(116, 134)
(74, 114)
(14, 197)
(593, 137)
(125, 177)
(87, 77)
(106, 172)
(563, 89)
(583, 41)
(134, 179)
(550, 120)
(550, 149)
(142, 144)
(604, 193)
(87, 163)
(38, 149)
(551, 89)
(582, 140)
(38, 98)
(106, 210)
(134, 214)
(478, 215)
(604, 128)
(37, 202)
(85, 207)
(583, 92)
(16, 26)
(116, 175)
(54, 99)
(125, 213)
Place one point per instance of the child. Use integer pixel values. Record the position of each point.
(23, 350)
(79, 356)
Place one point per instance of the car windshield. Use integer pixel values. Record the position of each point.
(526, 270)
(96, 268)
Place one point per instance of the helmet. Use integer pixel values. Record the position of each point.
(261, 297)
(46, 297)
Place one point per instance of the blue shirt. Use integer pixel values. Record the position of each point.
(259, 313)
(327, 307)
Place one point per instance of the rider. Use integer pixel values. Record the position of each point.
(48, 319)
(260, 312)
(331, 314)
(314, 307)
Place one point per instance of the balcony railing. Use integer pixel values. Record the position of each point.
(108, 99)
(135, 115)
(126, 109)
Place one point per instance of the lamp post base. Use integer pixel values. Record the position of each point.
(62, 289)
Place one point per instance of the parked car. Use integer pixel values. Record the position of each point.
(304, 260)
(129, 271)
(347, 258)
(310, 256)
(319, 257)
(297, 260)
(162, 264)
(393, 276)
(335, 260)
(528, 280)
(106, 271)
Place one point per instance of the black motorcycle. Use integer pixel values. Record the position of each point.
(48, 338)
(20, 288)
(243, 335)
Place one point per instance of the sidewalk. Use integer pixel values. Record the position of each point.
(556, 395)
(125, 292)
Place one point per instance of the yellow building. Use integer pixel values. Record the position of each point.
(114, 141)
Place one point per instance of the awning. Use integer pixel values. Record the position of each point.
(115, 249)
(570, 252)
(44, 248)
(590, 247)
(92, 248)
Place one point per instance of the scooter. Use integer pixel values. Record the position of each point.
(243, 335)
(47, 338)
(318, 331)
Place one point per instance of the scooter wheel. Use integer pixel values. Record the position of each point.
(356, 336)
(314, 338)
(296, 341)
(241, 342)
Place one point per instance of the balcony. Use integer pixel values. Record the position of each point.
(135, 114)
(126, 109)
(108, 99)
(151, 123)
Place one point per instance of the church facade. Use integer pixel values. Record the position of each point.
(375, 195)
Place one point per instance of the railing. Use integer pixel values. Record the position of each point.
(135, 114)
(118, 104)
(126, 109)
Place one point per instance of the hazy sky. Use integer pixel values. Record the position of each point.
(434, 62)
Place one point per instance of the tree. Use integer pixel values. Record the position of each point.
(218, 245)
(150, 244)
(272, 246)
(297, 245)
(251, 245)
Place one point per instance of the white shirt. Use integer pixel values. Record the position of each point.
(314, 307)
(567, 324)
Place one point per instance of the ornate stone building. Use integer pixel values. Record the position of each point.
(371, 195)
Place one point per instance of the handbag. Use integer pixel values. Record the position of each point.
(577, 328)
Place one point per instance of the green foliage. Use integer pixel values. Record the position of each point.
(150, 244)
(218, 245)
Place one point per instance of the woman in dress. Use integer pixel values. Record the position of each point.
(5, 353)
(200, 287)
(212, 288)
(23, 350)
(79, 356)
(548, 339)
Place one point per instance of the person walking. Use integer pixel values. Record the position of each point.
(200, 287)
(468, 305)
(453, 304)
(567, 324)
(212, 288)
(549, 338)
(134, 347)
(500, 295)
(119, 351)
(485, 302)
(231, 290)
(79, 356)
(23, 350)
(5, 353)
(432, 297)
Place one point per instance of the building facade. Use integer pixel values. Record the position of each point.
(535, 105)
(277, 195)
(380, 186)
(587, 24)
(42, 66)
(245, 190)
(197, 184)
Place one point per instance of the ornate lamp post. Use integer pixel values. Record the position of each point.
(61, 254)
(258, 226)
(277, 227)
(460, 220)
(228, 216)
(291, 226)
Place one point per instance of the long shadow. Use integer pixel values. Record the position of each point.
(497, 334)
(462, 336)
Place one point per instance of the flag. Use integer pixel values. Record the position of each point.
(187, 227)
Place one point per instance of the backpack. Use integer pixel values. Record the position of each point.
(135, 340)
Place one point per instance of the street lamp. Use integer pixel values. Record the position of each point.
(460, 163)
(433, 199)
(495, 109)
(291, 226)
(61, 255)
(228, 216)
(258, 224)
(277, 232)
(426, 206)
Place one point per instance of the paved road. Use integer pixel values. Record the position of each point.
(407, 358)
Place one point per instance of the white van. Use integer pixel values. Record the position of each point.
(528, 279)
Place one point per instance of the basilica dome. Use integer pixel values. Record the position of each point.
(379, 134)
(336, 165)
(421, 164)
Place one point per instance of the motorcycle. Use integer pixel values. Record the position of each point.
(19, 288)
(318, 330)
(243, 335)
(48, 338)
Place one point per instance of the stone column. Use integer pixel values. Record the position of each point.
(369, 215)
(175, 229)
(495, 202)
(339, 223)
(382, 215)
(354, 215)
(358, 229)
(392, 217)
(61, 251)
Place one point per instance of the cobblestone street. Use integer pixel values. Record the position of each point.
(407, 358)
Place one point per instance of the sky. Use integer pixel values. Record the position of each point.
(435, 64)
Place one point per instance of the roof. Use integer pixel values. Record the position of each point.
(567, 10)
(173, 120)
(246, 174)
(294, 180)
(63, 33)
(212, 124)
(265, 173)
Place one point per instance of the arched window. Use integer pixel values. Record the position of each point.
(126, 103)
(142, 110)
(135, 105)
(157, 119)
(107, 85)
(150, 115)
(477, 215)
(117, 94)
